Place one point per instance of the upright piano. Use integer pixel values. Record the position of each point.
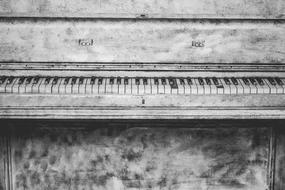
(129, 95)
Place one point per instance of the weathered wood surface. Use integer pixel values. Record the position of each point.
(142, 41)
(144, 9)
(279, 177)
(122, 158)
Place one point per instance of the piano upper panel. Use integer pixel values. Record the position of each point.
(273, 9)
(127, 40)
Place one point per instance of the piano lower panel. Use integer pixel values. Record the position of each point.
(138, 155)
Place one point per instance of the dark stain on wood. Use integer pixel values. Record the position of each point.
(141, 158)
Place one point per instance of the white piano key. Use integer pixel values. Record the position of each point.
(233, 88)
(273, 89)
(22, 87)
(55, 86)
(94, 86)
(128, 86)
(253, 89)
(160, 87)
(141, 87)
(35, 86)
(154, 87)
(207, 89)
(109, 87)
(260, 88)
(266, 87)
(194, 87)
(246, 88)
(61, 86)
(88, 86)
(167, 87)
(187, 89)
(227, 89)
(28, 87)
(134, 86)
(121, 86)
(102, 87)
(3, 86)
(68, 86)
(75, 86)
(48, 87)
(239, 87)
(41, 87)
(8, 87)
(147, 87)
(200, 88)
(181, 88)
(220, 88)
(279, 89)
(82, 86)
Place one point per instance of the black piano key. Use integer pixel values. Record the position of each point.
(246, 81)
(173, 83)
(156, 81)
(36, 80)
(81, 80)
(66, 81)
(201, 81)
(227, 81)
(189, 81)
(92, 80)
(145, 81)
(137, 81)
(10, 80)
(163, 81)
(28, 80)
(272, 81)
(100, 80)
(73, 80)
(260, 81)
(208, 81)
(119, 80)
(234, 81)
(253, 81)
(111, 80)
(126, 81)
(21, 80)
(279, 81)
(2, 79)
(55, 80)
(215, 81)
(47, 80)
(182, 82)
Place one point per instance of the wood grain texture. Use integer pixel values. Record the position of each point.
(279, 177)
(122, 158)
(142, 41)
(144, 9)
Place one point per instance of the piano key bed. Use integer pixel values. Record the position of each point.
(141, 85)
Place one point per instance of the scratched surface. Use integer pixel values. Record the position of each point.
(145, 9)
(141, 158)
(142, 41)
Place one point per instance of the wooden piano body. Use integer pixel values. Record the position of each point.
(142, 95)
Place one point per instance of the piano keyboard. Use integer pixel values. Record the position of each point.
(141, 85)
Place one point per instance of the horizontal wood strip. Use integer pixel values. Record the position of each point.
(142, 41)
(273, 9)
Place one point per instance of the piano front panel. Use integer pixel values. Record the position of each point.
(179, 41)
(273, 9)
(140, 155)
